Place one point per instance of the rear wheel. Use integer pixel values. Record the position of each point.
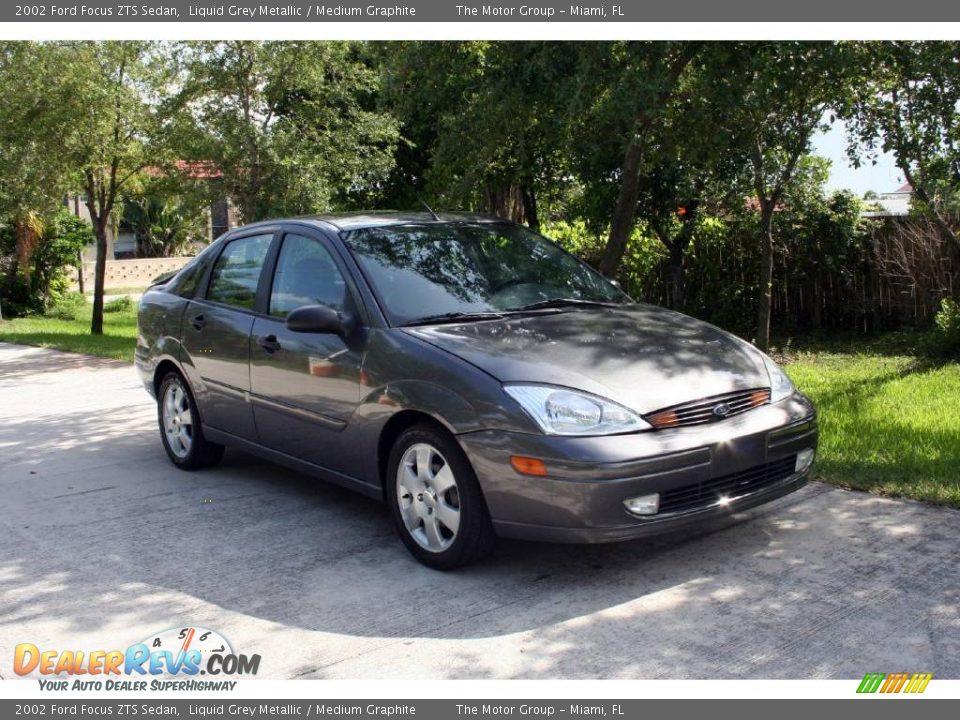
(435, 500)
(180, 428)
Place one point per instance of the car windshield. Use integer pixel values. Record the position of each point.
(462, 271)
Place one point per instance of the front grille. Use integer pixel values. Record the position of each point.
(709, 492)
(712, 409)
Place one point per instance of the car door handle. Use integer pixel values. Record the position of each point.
(198, 322)
(269, 343)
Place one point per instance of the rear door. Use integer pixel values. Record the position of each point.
(216, 335)
(305, 387)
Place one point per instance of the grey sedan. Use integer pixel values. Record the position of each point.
(475, 376)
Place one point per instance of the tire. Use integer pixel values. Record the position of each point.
(425, 494)
(180, 429)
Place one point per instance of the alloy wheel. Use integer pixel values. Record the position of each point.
(428, 497)
(177, 419)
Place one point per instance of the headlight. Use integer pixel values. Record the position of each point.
(780, 385)
(567, 412)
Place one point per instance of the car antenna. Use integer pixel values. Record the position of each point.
(430, 210)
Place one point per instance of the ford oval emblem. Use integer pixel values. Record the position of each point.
(721, 410)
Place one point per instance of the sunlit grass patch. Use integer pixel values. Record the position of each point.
(889, 423)
(73, 335)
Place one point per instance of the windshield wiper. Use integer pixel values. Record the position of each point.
(564, 302)
(453, 317)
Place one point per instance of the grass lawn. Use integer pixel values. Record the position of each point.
(117, 341)
(889, 421)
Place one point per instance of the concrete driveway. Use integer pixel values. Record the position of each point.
(104, 542)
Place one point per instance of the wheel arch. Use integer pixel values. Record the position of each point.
(163, 367)
(393, 428)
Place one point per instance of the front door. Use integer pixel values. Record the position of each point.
(305, 387)
(216, 336)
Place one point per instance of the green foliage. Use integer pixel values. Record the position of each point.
(118, 304)
(824, 243)
(288, 127)
(484, 124)
(68, 307)
(35, 173)
(165, 225)
(717, 135)
(62, 239)
(908, 104)
(16, 297)
(946, 338)
(92, 117)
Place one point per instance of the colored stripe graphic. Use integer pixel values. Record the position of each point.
(918, 683)
(894, 682)
(871, 682)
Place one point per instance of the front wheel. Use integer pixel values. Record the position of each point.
(180, 427)
(435, 500)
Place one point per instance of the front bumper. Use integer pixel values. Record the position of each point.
(581, 499)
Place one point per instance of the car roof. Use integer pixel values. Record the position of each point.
(359, 220)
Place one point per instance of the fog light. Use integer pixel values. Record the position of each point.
(805, 459)
(644, 505)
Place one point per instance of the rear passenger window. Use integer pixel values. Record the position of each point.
(237, 272)
(186, 281)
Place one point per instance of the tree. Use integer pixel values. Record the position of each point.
(96, 118)
(289, 127)
(33, 175)
(908, 104)
(780, 92)
(624, 91)
(484, 123)
(694, 169)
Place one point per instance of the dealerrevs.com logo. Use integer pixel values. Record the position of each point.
(168, 660)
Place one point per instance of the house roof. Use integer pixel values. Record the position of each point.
(195, 169)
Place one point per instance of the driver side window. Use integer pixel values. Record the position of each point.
(306, 274)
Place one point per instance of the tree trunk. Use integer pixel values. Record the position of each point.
(532, 215)
(766, 275)
(676, 295)
(99, 275)
(27, 231)
(80, 270)
(621, 225)
(504, 200)
(817, 300)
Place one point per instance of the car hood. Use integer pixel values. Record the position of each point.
(641, 356)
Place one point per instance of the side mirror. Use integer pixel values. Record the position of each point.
(319, 319)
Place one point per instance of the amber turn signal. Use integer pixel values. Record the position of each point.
(528, 465)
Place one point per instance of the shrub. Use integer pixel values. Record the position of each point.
(946, 337)
(44, 282)
(118, 304)
(68, 306)
(16, 298)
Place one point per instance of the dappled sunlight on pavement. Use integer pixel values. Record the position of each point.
(106, 542)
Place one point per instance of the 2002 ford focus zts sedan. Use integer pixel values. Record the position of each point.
(474, 375)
